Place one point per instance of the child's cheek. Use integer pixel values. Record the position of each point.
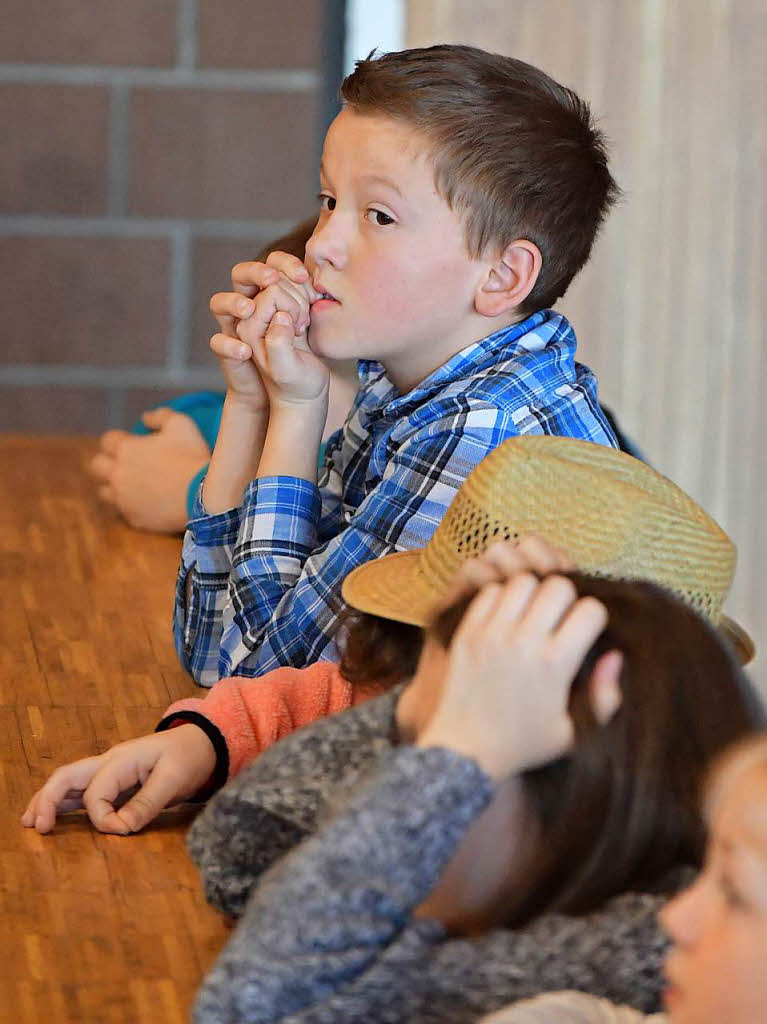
(391, 292)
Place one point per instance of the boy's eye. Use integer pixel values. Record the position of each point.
(379, 217)
(326, 202)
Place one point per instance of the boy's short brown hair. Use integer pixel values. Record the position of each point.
(515, 154)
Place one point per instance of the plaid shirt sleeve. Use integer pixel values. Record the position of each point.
(272, 595)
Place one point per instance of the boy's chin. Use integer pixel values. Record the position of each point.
(321, 345)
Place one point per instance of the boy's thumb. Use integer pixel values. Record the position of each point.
(281, 322)
(147, 802)
(280, 352)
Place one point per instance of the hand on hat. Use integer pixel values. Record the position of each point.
(502, 560)
(497, 564)
(509, 671)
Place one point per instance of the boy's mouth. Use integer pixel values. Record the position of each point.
(323, 295)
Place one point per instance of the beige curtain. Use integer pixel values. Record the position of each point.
(670, 311)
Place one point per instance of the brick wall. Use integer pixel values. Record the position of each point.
(147, 147)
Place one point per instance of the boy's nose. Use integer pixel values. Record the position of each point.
(327, 244)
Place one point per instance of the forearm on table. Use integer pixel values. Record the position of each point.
(236, 456)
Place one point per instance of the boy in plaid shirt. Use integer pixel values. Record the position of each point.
(461, 193)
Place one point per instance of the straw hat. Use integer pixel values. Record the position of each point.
(612, 514)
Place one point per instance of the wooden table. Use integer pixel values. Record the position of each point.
(93, 928)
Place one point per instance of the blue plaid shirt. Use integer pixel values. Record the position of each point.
(266, 577)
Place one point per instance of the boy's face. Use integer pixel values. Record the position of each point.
(391, 253)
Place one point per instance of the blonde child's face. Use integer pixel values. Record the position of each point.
(716, 970)
(391, 253)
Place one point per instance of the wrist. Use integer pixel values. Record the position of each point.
(241, 404)
(193, 733)
(495, 764)
(310, 410)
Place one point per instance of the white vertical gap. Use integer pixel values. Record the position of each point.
(373, 24)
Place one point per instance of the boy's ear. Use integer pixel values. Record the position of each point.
(510, 279)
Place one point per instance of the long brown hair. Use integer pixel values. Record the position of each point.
(623, 808)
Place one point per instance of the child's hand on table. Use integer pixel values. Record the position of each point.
(153, 772)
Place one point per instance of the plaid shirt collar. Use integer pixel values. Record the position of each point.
(378, 397)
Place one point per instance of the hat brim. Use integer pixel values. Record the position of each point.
(395, 587)
(738, 638)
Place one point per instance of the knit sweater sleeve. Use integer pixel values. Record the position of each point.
(277, 800)
(333, 919)
(329, 934)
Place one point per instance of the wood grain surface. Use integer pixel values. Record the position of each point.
(93, 928)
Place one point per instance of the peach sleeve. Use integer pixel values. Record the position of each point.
(253, 714)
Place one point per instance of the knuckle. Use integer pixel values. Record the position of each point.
(525, 578)
(139, 810)
(220, 301)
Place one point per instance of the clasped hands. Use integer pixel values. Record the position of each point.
(262, 344)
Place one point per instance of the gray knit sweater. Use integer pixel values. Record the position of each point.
(327, 935)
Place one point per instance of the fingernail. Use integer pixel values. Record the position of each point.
(283, 318)
(243, 352)
(39, 821)
(244, 308)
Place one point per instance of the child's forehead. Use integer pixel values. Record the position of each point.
(741, 817)
(375, 144)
